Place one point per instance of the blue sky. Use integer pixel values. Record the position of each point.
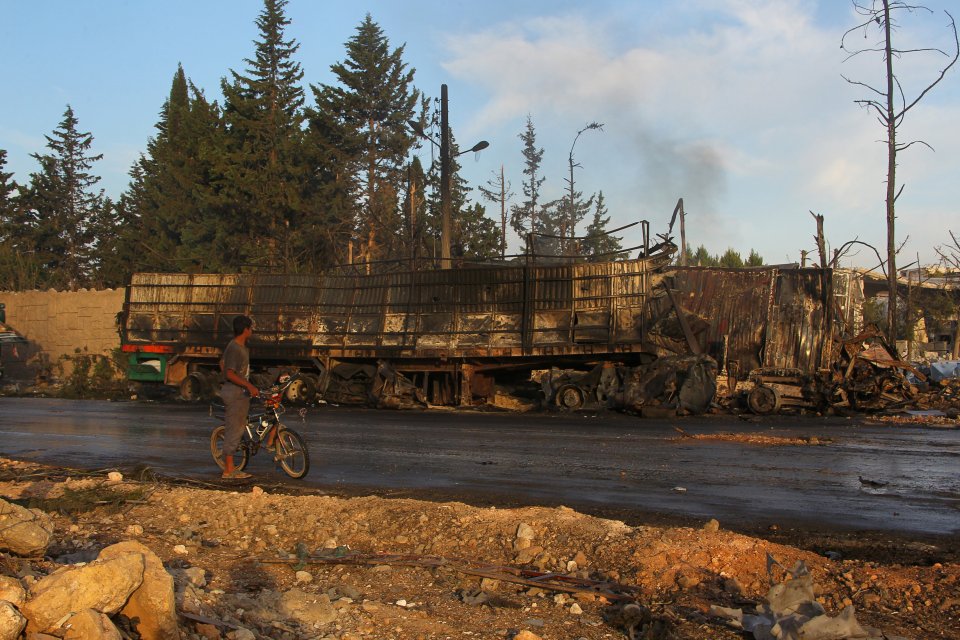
(738, 106)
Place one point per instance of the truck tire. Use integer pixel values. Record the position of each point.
(302, 390)
(763, 400)
(194, 388)
(570, 397)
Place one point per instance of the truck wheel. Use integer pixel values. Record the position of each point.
(301, 391)
(569, 397)
(763, 400)
(192, 388)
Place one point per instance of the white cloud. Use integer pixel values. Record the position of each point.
(745, 117)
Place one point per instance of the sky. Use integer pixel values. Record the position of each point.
(740, 107)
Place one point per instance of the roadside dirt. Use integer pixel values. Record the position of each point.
(354, 556)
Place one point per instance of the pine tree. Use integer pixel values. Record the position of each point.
(62, 208)
(731, 260)
(368, 112)
(19, 268)
(754, 259)
(703, 258)
(8, 203)
(475, 236)
(167, 218)
(264, 169)
(524, 218)
(598, 245)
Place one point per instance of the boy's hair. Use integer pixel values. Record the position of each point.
(240, 324)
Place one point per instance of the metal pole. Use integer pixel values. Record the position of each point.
(683, 235)
(444, 181)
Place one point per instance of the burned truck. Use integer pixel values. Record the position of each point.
(636, 334)
(440, 337)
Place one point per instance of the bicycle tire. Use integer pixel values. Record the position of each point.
(240, 458)
(292, 453)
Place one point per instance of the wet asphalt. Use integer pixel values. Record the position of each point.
(600, 461)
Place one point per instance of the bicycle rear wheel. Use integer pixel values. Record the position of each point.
(240, 457)
(292, 453)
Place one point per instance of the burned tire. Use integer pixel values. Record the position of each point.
(192, 388)
(301, 391)
(763, 400)
(569, 397)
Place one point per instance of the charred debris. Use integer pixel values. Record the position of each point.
(640, 335)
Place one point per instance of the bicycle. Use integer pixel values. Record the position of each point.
(290, 450)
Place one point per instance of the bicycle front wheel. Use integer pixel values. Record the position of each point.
(292, 453)
(240, 457)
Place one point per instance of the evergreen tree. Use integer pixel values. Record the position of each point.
(263, 170)
(166, 217)
(62, 208)
(8, 189)
(703, 258)
(368, 112)
(475, 236)
(754, 259)
(598, 245)
(525, 217)
(731, 260)
(19, 267)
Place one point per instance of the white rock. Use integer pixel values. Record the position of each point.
(12, 621)
(303, 577)
(115, 476)
(134, 530)
(575, 609)
(196, 576)
(401, 603)
(182, 550)
(525, 531)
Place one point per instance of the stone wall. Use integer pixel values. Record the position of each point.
(58, 323)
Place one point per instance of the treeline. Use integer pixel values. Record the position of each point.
(730, 259)
(266, 181)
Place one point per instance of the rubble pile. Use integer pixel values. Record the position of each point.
(249, 563)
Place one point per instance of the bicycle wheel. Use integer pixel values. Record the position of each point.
(292, 453)
(240, 457)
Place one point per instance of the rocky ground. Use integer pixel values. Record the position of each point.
(252, 562)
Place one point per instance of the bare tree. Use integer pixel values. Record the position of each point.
(498, 190)
(573, 207)
(890, 104)
(950, 257)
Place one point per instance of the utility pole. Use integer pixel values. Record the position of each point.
(444, 180)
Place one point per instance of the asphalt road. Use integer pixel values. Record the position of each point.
(587, 461)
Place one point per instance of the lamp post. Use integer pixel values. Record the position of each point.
(445, 158)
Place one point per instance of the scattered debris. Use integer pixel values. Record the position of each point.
(792, 611)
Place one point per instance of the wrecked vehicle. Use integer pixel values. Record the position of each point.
(410, 337)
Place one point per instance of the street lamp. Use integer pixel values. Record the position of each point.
(445, 157)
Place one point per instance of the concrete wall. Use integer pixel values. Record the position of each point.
(57, 323)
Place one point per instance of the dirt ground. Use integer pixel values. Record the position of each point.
(403, 569)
